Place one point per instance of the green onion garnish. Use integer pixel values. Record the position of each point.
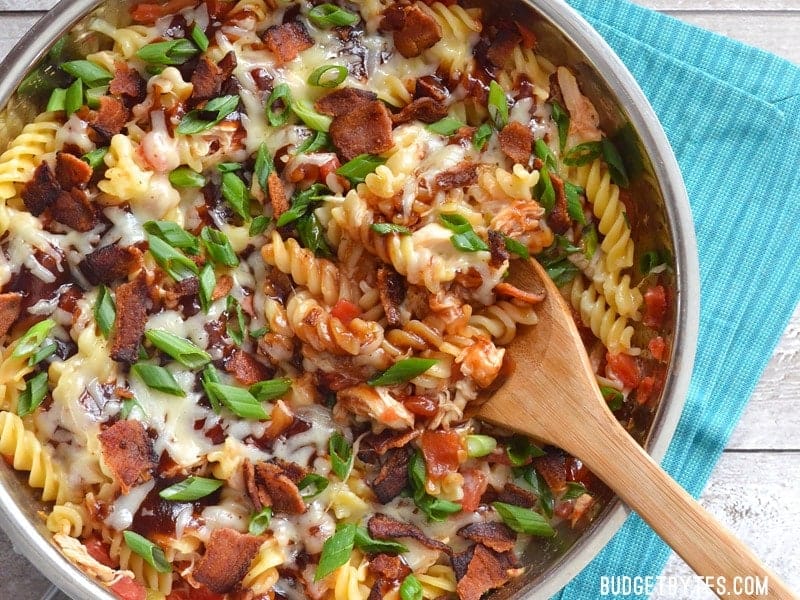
(387, 228)
(237, 400)
(176, 265)
(191, 488)
(33, 338)
(329, 15)
(341, 453)
(184, 177)
(272, 389)
(411, 588)
(447, 126)
(306, 113)
(524, 520)
(33, 394)
(281, 94)
(328, 76)
(207, 282)
(236, 194)
(95, 158)
(498, 105)
(205, 118)
(174, 235)
(73, 98)
(403, 371)
(336, 550)
(152, 554)
(218, 247)
(174, 52)
(480, 445)
(184, 351)
(358, 168)
(464, 237)
(199, 37)
(57, 100)
(259, 522)
(92, 75)
(158, 378)
(105, 311)
(481, 136)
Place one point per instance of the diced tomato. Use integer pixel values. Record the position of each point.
(658, 348)
(421, 406)
(345, 311)
(218, 8)
(127, 589)
(578, 472)
(475, 484)
(150, 13)
(99, 551)
(623, 367)
(328, 168)
(442, 451)
(528, 37)
(655, 304)
(645, 389)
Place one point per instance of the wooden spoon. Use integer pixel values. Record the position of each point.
(553, 396)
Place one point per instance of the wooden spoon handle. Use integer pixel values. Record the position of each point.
(704, 543)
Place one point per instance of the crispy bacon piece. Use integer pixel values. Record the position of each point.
(423, 109)
(41, 191)
(392, 290)
(462, 175)
(558, 219)
(414, 30)
(73, 209)
(222, 287)
(431, 86)
(553, 468)
(374, 445)
(494, 535)
(246, 368)
(127, 83)
(71, 171)
(510, 494)
(486, 570)
(108, 263)
(340, 102)
(128, 453)
(382, 527)
(109, 119)
(226, 560)
(442, 451)
(516, 142)
(208, 77)
(10, 307)
(497, 248)
(502, 46)
(392, 477)
(475, 484)
(286, 41)
(268, 484)
(388, 567)
(277, 195)
(366, 129)
(130, 320)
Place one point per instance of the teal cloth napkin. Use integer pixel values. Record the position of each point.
(732, 115)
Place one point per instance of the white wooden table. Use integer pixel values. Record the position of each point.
(754, 488)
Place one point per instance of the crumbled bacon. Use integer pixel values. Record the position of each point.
(366, 129)
(109, 119)
(392, 290)
(41, 191)
(503, 45)
(268, 484)
(222, 287)
(486, 570)
(340, 102)
(553, 468)
(474, 486)
(388, 567)
(392, 477)
(128, 453)
(149, 13)
(424, 109)
(277, 195)
(281, 418)
(510, 494)
(378, 444)
(494, 535)
(516, 142)
(226, 560)
(443, 452)
(497, 248)
(382, 527)
(73, 209)
(109, 263)
(10, 307)
(208, 77)
(71, 171)
(286, 41)
(431, 86)
(462, 175)
(130, 320)
(414, 30)
(246, 368)
(127, 83)
(558, 219)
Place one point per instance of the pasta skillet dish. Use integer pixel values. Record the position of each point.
(255, 280)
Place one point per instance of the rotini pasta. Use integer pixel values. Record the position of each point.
(24, 153)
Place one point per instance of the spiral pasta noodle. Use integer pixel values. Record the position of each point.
(458, 25)
(25, 152)
(613, 331)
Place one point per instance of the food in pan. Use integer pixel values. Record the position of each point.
(255, 277)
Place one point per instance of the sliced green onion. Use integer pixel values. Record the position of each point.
(589, 241)
(367, 544)
(191, 488)
(575, 490)
(128, 406)
(33, 338)
(306, 113)
(33, 394)
(218, 247)
(73, 98)
(207, 282)
(281, 94)
(184, 177)
(199, 37)
(480, 445)
(95, 158)
(301, 204)
(542, 150)
(498, 105)
(613, 397)
(259, 333)
(411, 588)
(561, 117)
(516, 247)
(42, 353)
(341, 453)
(520, 450)
(616, 167)
(357, 169)
(92, 75)
(455, 222)
(329, 15)
(315, 484)
(259, 522)
(524, 520)
(184, 351)
(336, 550)
(447, 126)
(237, 400)
(272, 389)
(583, 154)
(312, 235)
(205, 118)
(436, 509)
(174, 235)
(387, 228)
(318, 141)
(58, 99)
(236, 194)
(174, 52)
(176, 265)
(650, 260)
(158, 378)
(235, 328)
(573, 194)
(263, 167)
(105, 312)
(481, 136)
(323, 76)
(464, 237)
(228, 167)
(93, 96)
(210, 375)
(403, 371)
(545, 191)
(152, 554)
(259, 225)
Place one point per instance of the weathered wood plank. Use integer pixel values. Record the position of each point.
(13, 28)
(756, 495)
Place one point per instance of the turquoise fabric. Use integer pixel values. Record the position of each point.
(732, 115)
